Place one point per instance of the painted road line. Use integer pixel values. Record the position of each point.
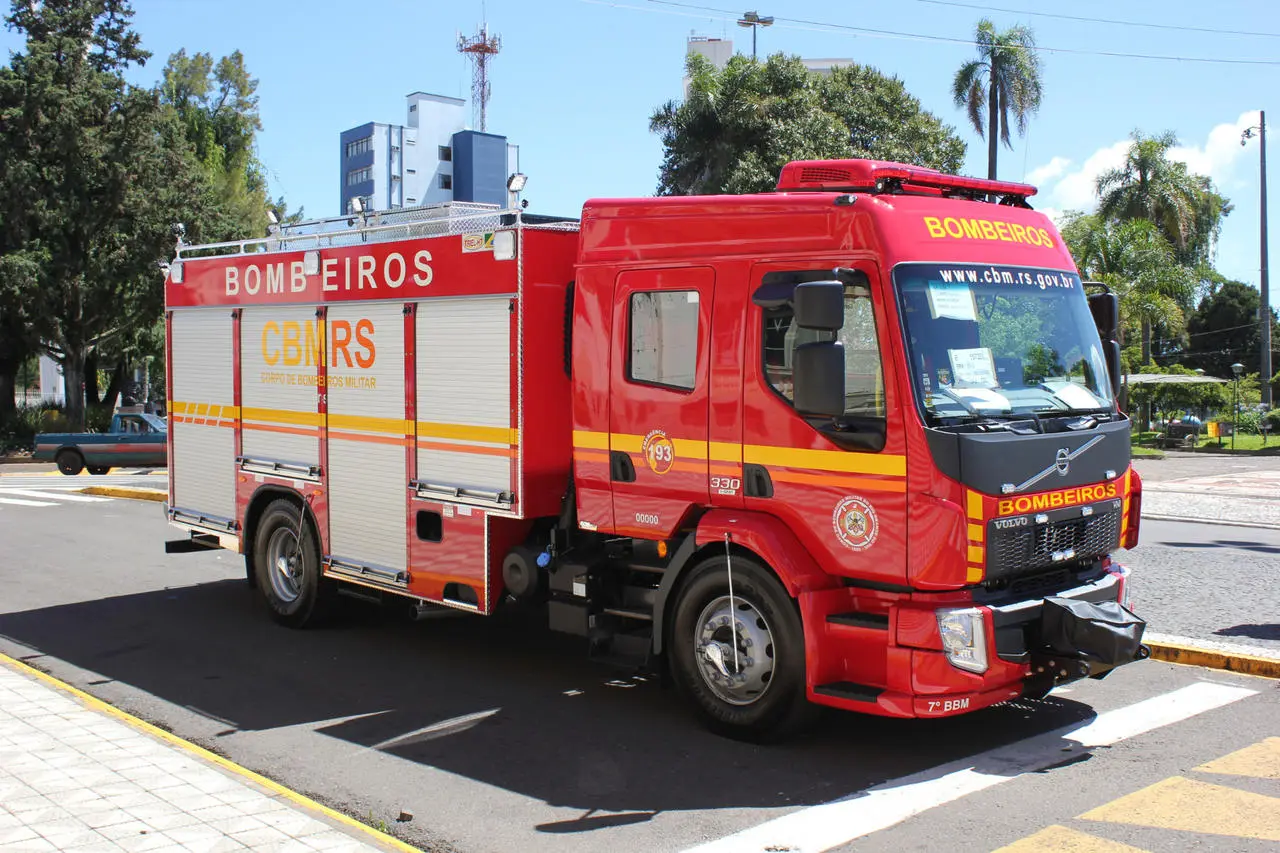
(829, 825)
(1211, 654)
(21, 502)
(53, 496)
(1188, 805)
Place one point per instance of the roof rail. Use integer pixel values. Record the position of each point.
(354, 229)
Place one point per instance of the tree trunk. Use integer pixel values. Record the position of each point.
(993, 128)
(91, 379)
(8, 387)
(73, 376)
(1146, 359)
(113, 387)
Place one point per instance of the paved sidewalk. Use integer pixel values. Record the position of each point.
(1240, 497)
(75, 775)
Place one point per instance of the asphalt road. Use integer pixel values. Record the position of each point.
(499, 738)
(1208, 581)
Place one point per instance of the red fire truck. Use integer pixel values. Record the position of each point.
(853, 442)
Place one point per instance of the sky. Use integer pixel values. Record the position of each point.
(576, 82)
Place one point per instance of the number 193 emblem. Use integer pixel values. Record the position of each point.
(659, 452)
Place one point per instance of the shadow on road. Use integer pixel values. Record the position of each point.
(1256, 547)
(1257, 632)
(492, 700)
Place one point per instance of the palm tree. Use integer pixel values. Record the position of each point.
(1003, 80)
(1135, 259)
(1148, 185)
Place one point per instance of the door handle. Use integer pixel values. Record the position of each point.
(757, 482)
(621, 470)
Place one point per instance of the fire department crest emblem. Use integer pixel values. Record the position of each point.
(855, 523)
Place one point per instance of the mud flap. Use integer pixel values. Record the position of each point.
(1104, 635)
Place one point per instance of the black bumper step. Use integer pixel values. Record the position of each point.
(850, 690)
(876, 621)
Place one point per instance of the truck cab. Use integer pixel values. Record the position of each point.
(877, 404)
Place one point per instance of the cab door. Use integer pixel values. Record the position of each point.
(659, 398)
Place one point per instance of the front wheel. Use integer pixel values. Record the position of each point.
(286, 557)
(740, 660)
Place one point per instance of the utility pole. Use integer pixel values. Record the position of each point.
(1264, 307)
(754, 21)
(478, 50)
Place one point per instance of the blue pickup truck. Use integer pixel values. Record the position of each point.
(135, 439)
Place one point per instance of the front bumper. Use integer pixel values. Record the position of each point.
(1090, 633)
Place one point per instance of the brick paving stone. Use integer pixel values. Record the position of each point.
(76, 779)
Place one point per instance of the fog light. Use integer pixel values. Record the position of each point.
(964, 638)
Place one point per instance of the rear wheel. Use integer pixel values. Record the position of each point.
(99, 470)
(740, 661)
(70, 462)
(286, 557)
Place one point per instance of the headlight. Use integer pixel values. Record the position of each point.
(964, 638)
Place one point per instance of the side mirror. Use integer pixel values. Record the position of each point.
(818, 378)
(1105, 308)
(1111, 351)
(819, 306)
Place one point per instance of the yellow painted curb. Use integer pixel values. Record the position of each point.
(1214, 659)
(126, 492)
(200, 752)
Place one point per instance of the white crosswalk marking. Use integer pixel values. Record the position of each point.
(20, 502)
(56, 496)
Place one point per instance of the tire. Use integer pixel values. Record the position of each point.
(769, 700)
(99, 470)
(70, 462)
(303, 597)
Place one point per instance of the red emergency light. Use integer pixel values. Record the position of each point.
(879, 176)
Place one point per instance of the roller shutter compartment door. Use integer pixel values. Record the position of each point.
(280, 350)
(368, 434)
(203, 413)
(466, 437)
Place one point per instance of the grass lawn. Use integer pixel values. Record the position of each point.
(1145, 452)
(1247, 444)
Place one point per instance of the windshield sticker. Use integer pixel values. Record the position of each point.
(973, 367)
(987, 229)
(855, 522)
(953, 301)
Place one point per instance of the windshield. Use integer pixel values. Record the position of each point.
(988, 340)
(156, 424)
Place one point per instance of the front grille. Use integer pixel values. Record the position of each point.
(1021, 550)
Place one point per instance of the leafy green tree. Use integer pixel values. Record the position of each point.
(1003, 82)
(91, 184)
(216, 107)
(741, 124)
(1137, 262)
(1148, 185)
(1224, 329)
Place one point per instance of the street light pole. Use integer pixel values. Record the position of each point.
(754, 21)
(1237, 369)
(1264, 307)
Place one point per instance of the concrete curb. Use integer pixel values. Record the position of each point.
(1189, 654)
(1219, 521)
(383, 839)
(126, 492)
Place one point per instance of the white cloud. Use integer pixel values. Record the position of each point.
(1049, 171)
(1065, 186)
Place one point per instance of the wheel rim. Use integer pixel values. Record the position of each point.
(745, 681)
(284, 564)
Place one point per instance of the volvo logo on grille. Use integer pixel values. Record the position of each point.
(1061, 464)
